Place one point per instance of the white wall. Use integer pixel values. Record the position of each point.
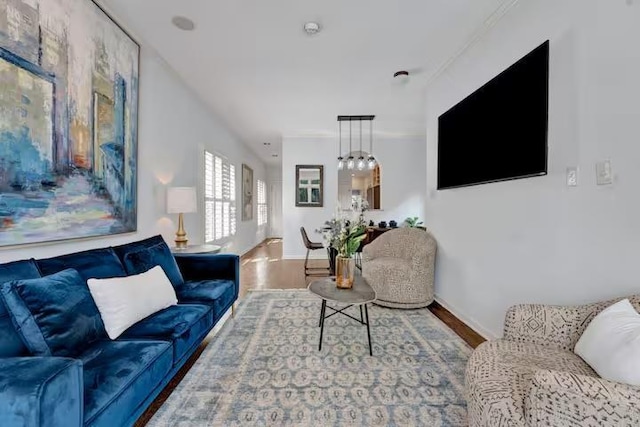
(274, 181)
(403, 188)
(537, 240)
(174, 128)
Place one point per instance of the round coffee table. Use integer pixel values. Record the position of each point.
(361, 294)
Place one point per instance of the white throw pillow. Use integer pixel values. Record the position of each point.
(124, 301)
(611, 343)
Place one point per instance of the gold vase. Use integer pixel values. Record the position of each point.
(345, 271)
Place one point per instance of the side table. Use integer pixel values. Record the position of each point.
(196, 249)
(360, 295)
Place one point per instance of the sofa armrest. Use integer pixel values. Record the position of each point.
(210, 266)
(41, 391)
(550, 325)
(562, 398)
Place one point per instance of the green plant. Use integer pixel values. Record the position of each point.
(345, 232)
(349, 240)
(413, 222)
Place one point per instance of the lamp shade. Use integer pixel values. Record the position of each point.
(181, 200)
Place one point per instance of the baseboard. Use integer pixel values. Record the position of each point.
(311, 257)
(470, 322)
(250, 251)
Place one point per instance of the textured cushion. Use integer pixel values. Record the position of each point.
(98, 263)
(118, 377)
(10, 342)
(144, 259)
(611, 343)
(391, 268)
(54, 315)
(391, 279)
(499, 374)
(123, 301)
(218, 294)
(183, 325)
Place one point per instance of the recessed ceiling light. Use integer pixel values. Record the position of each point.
(311, 28)
(185, 24)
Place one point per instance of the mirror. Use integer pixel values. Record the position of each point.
(355, 184)
(309, 186)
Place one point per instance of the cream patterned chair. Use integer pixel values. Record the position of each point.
(531, 377)
(400, 265)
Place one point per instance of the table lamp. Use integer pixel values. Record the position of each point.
(181, 200)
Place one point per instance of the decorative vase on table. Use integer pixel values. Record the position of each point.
(345, 272)
(342, 236)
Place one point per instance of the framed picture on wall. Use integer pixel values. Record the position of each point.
(68, 134)
(247, 193)
(309, 186)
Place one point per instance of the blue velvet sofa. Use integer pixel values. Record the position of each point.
(111, 383)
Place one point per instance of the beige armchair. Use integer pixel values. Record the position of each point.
(400, 266)
(531, 377)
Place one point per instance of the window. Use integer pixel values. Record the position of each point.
(262, 203)
(220, 197)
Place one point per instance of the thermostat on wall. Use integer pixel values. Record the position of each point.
(603, 173)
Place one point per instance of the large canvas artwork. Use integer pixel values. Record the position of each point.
(68, 122)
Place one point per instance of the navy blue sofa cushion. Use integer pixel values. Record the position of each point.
(209, 266)
(145, 259)
(118, 375)
(141, 256)
(52, 387)
(54, 315)
(96, 263)
(183, 325)
(10, 342)
(218, 294)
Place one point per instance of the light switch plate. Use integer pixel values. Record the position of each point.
(572, 177)
(604, 176)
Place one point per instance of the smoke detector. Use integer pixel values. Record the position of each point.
(312, 28)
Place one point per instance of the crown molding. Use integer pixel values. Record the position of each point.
(488, 24)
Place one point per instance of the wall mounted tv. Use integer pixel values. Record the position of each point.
(499, 132)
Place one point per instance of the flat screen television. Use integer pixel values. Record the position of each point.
(500, 131)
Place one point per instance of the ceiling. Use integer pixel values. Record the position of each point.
(253, 64)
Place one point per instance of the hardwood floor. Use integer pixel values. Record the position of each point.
(264, 268)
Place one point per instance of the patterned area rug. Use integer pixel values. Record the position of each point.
(264, 369)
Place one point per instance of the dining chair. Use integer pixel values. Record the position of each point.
(312, 246)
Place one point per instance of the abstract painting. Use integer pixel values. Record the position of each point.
(68, 122)
(247, 193)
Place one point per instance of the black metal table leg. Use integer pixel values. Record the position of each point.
(366, 314)
(322, 311)
(321, 314)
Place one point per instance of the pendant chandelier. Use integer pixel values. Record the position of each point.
(351, 163)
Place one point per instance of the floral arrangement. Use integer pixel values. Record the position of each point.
(346, 230)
